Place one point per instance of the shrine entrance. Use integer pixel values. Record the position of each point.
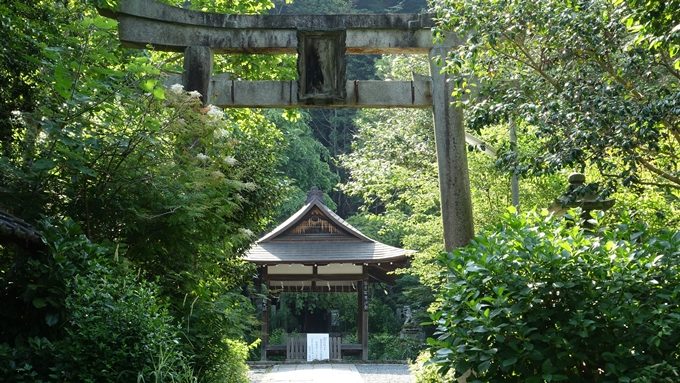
(321, 43)
(317, 251)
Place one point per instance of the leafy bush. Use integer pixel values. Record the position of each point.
(390, 347)
(215, 323)
(425, 372)
(88, 318)
(277, 336)
(540, 300)
(232, 367)
(117, 330)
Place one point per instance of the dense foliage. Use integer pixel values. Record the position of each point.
(540, 299)
(393, 168)
(148, 198)
(572, 70)
(593, 86)
(85, 316)
(173, 190)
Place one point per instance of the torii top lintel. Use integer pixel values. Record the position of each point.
(143, 22)
(321, 76)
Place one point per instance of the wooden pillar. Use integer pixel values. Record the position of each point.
(265, 314)
(362, 320)
(454, 182)
(360, 305)
(198, 63)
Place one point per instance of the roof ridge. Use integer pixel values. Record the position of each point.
(297, 216)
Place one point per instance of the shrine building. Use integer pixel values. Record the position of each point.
(317, 251)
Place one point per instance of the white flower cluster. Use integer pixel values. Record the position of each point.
(202, 157)
(246, 232)
(231, 161)
(177, 89)
(215, 112)
(220, 133)
(17, 116)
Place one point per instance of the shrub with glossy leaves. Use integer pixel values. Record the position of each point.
(540, 299)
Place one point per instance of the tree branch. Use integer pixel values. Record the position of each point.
(674, 132)
(607, 67)
(529, 64)
(658, 184)
(171, 211)
(659, 172)
(529, 61)
(669, 66)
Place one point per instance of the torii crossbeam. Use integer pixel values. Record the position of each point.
(321, 42)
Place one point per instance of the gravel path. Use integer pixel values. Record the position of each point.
(257, 374)
(370, 373)
(385, 373)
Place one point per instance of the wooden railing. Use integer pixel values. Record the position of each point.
(296, 347)
(336, 348)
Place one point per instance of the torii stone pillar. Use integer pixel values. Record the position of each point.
(199, 35)
(454, 181)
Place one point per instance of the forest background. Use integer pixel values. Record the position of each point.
(146, 199)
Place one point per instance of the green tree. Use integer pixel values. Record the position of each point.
(655, 24)
(393, 169)
(304, 163)
(572, 71)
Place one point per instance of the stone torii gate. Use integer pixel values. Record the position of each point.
(321, 43)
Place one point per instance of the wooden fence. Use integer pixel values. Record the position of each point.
(296, 347)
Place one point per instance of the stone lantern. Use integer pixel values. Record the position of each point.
(580, 194)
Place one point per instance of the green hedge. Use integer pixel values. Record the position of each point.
(542, 300)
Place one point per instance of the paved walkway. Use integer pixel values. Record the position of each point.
(333, 373)
(385, 373)
(312, 373)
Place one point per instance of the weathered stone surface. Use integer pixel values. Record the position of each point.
(226, 92)
(321, 66)
(198, 62)
(150, 9)
(576, 178)
(174, 29)
(284, 94)
(454, 182)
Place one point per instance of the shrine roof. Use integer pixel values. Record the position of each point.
(315, 234)
(13, 229)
